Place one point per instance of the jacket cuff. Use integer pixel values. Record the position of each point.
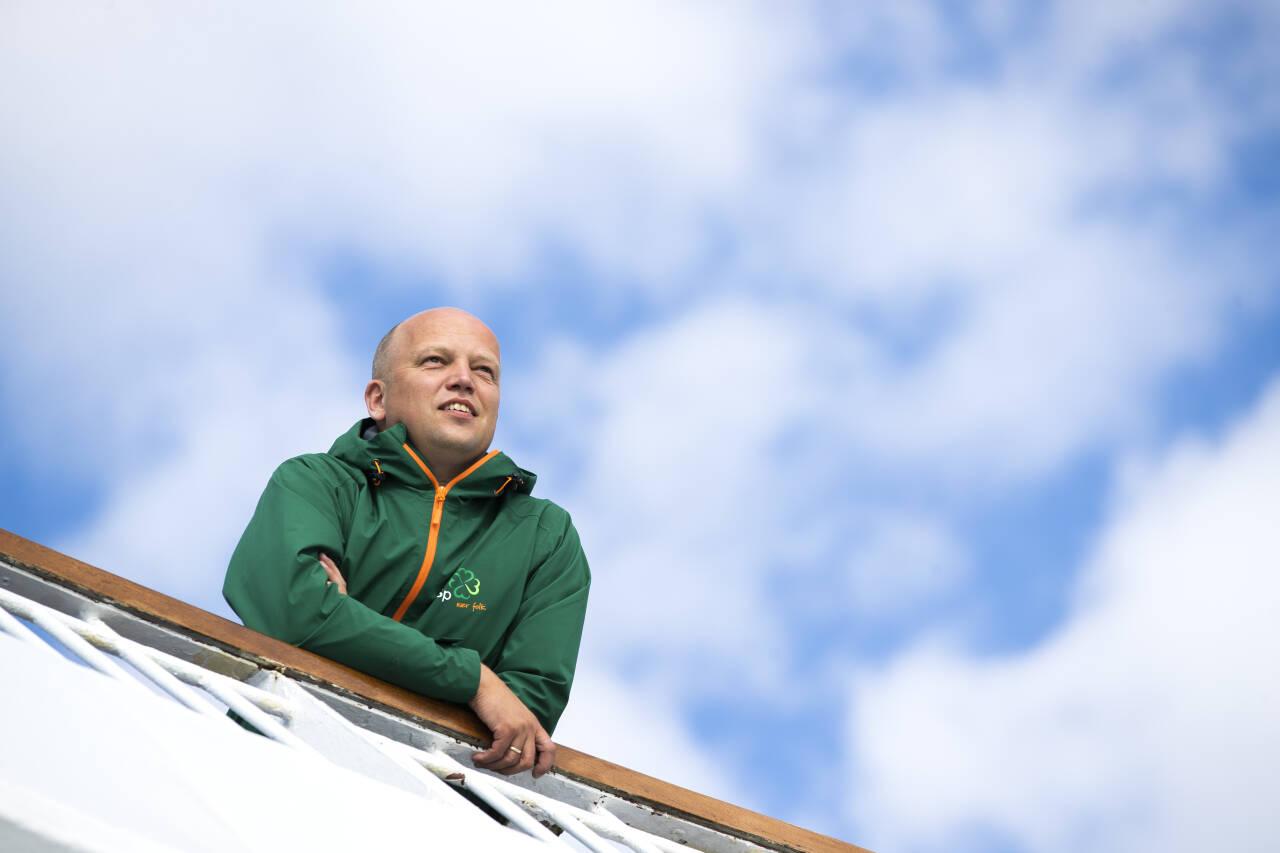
(463, 680)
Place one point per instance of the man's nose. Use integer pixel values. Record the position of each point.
(461, 378)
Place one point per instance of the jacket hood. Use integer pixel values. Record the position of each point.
(387, 456)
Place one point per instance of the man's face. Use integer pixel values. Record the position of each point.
(442, 384)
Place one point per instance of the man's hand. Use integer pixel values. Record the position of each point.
(335, 576)
(519, 741)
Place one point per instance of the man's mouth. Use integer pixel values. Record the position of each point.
(459, 407)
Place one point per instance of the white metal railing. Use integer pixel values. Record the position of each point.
(285, 712)
(582, 824)
(89, 640)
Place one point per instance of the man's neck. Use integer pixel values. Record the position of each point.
(446, 473)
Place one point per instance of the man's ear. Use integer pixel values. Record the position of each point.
(375, 400)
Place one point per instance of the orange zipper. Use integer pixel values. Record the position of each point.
(433, 533)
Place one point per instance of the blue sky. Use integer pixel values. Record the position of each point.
(911, 370)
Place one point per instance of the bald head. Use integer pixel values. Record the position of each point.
(426, 321)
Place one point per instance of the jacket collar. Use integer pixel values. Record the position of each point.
(387, 457)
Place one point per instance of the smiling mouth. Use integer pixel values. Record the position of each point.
(459, 407)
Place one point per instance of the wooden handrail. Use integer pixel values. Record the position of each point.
(456, 720)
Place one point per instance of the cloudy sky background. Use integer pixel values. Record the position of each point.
(911, 369)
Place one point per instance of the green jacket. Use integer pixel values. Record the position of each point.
(440, 576)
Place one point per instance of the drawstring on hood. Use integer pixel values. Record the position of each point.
(519, 482)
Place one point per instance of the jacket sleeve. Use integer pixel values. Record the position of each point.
(276, 584)
(537, 659)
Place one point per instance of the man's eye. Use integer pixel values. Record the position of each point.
(433, 359)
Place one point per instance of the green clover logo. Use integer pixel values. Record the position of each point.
(464, 584)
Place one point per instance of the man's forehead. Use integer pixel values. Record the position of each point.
(447, 327)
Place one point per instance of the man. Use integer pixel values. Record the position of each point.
(414, 553)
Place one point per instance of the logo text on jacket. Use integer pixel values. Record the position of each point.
(464, 586)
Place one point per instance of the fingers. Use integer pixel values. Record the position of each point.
(520, 757)
(546, 754)
(530, 754)
(500, 752)
(331, 569)
(509, 754)
(497, 753)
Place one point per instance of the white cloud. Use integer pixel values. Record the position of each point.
(451, 137)
(1015, 389)
(993, 231)
(955, 181)
(900, 562)
(1146, 722)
